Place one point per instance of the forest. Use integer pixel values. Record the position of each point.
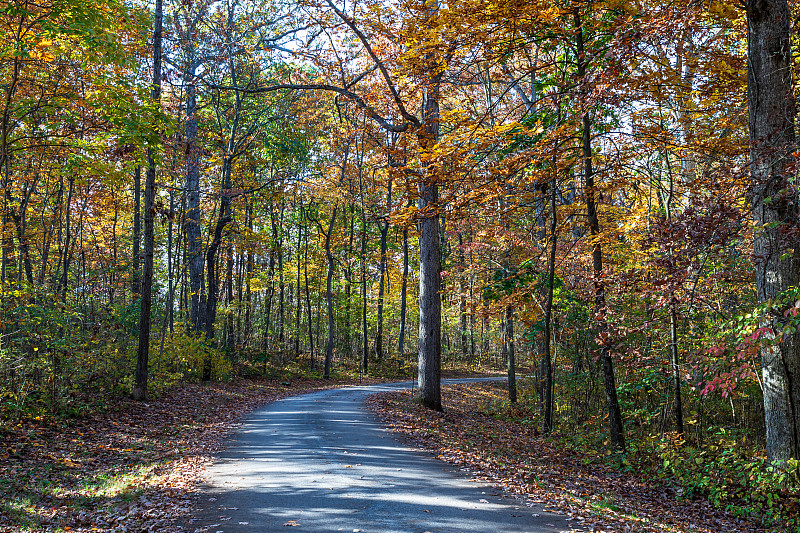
(594, 198)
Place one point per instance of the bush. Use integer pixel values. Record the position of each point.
(186, 358)
(745, 486)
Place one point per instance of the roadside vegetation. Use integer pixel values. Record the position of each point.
(662, 483)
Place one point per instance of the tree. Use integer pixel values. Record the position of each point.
(143, 352)
(590, 192)
(770, 97)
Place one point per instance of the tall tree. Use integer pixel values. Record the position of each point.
(771, 102)
(142, 355)
(590, 191)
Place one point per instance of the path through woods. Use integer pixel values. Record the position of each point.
(320, 462)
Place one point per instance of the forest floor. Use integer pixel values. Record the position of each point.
(510, 453)
(137, 466)
(133, 468)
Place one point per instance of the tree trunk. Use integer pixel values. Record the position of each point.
(194, 230)
(248, 274)
(348, 282)
(462, 300)
(57, 209)
(67, 239)
(510, 355)
(308, 306)
(225, 216)
(170, 267)
(401, 339)
(281, 285)
(299, 308)
(365, 337)
(6, 127)
(430, 267)
(137, 232)
(383, 275)
(548, 314)
(676, 371)
(329, 295)
(140, 388)
(772, 110)
(271, 293)
(614, 414)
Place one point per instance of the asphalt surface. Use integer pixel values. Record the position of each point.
(321, 462)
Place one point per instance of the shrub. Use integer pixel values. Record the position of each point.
(745, 486)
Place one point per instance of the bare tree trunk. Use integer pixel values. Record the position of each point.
(308, 306)
(364, 328)
(193, 229)
(140, 388)
(299, 308)
(462, 300)
(348, 287)
(137, 231)
(57, 208)
(430, 266)
(329, 295)
(281, 285)
(511, 355)
(348, 281)
(6, 127)
(772, 109)
(676, 371)
(383, 275)
(401, 340)
(271, 293)
(65, 258)
(170, 290)
(212, 281)
(548, 313)
(24, 248)
(248, 273)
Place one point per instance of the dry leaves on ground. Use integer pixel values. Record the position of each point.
(134, 468)
(514, 457)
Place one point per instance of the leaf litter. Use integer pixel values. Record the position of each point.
(517, 460)
(137, 467)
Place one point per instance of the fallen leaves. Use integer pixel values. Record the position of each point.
(515, 458)
(133, 469)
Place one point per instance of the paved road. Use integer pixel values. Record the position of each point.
(321, 462)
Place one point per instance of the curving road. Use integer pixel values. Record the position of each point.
(321, 462)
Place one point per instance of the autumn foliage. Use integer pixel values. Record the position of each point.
(580, 169)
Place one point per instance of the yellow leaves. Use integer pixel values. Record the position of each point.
(725, 10)
(625, 6)
(43, 50)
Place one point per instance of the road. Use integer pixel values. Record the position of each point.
(321, 462)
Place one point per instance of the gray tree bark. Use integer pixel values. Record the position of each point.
(772, 109)
(383, 276)
(329, 295)
(140, 387)
(430, 267)
(401, 338)
(137, 232)
(194, 230)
